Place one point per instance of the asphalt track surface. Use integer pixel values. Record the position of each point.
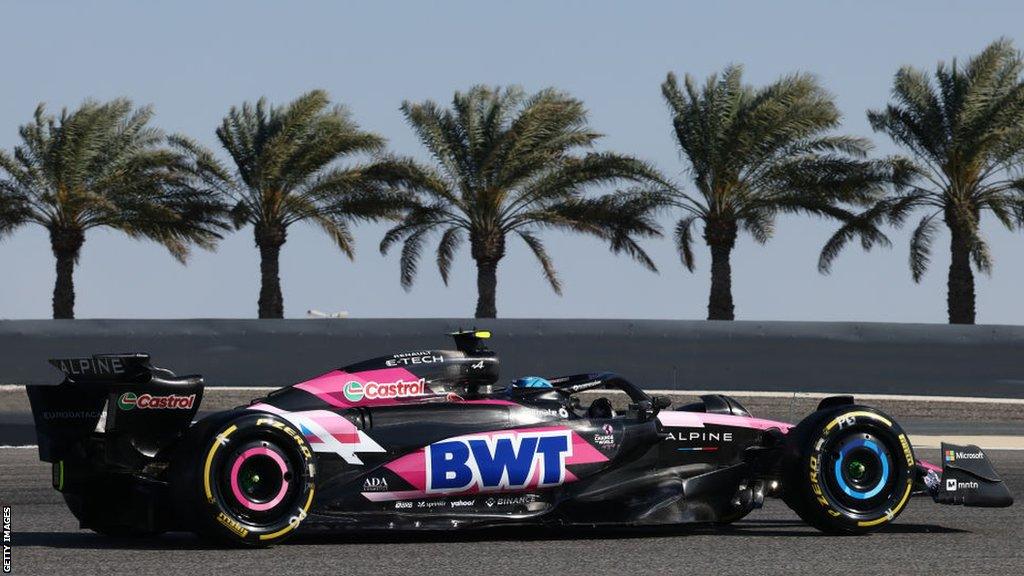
(925, 539)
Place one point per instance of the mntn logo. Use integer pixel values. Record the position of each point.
(499, 461)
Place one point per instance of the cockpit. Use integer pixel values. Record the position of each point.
(564, 393)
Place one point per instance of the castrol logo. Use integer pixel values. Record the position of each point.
(356, 391)
(131, 401)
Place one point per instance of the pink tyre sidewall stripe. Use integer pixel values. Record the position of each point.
(258, 506)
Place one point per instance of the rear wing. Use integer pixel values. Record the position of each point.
(119, 399)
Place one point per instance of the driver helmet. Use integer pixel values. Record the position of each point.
(531, 382)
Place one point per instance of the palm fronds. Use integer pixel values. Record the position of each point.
(512, 163)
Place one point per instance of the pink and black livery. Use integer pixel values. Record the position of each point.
(428, 440)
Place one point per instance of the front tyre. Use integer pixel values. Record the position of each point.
(246, 478)
(848, 470)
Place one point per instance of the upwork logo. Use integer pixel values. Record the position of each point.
(131, 400)
(357, 391)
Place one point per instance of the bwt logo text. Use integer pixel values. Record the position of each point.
(498, 462)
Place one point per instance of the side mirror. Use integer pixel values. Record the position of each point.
(648, 409)
(644, 410)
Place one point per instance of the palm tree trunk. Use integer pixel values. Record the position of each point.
(960, 285)
(66, 245)
(487, 249)
(269, 239)
(720, 237)
(486, 288)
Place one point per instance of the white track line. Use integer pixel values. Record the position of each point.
(741, 393)
(820, 395)
(984, 442)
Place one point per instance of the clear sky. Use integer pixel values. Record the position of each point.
(194, 59)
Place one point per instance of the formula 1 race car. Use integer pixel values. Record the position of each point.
(427, 440)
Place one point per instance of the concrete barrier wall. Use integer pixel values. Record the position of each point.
(684, 355)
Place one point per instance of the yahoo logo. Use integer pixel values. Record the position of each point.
(498, 462)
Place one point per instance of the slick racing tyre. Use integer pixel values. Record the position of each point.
(244, 478)
(848, 470)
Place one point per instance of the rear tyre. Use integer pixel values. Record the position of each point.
(245, 478)
(848, 470)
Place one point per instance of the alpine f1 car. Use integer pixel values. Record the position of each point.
(428, 440)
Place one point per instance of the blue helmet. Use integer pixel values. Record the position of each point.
(531, 382)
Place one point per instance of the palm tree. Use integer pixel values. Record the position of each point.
(508, 163)
(754, 153)
(103, 165)
(286, 170)
(965, 136)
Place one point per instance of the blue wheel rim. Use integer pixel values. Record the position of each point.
(882, 479)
